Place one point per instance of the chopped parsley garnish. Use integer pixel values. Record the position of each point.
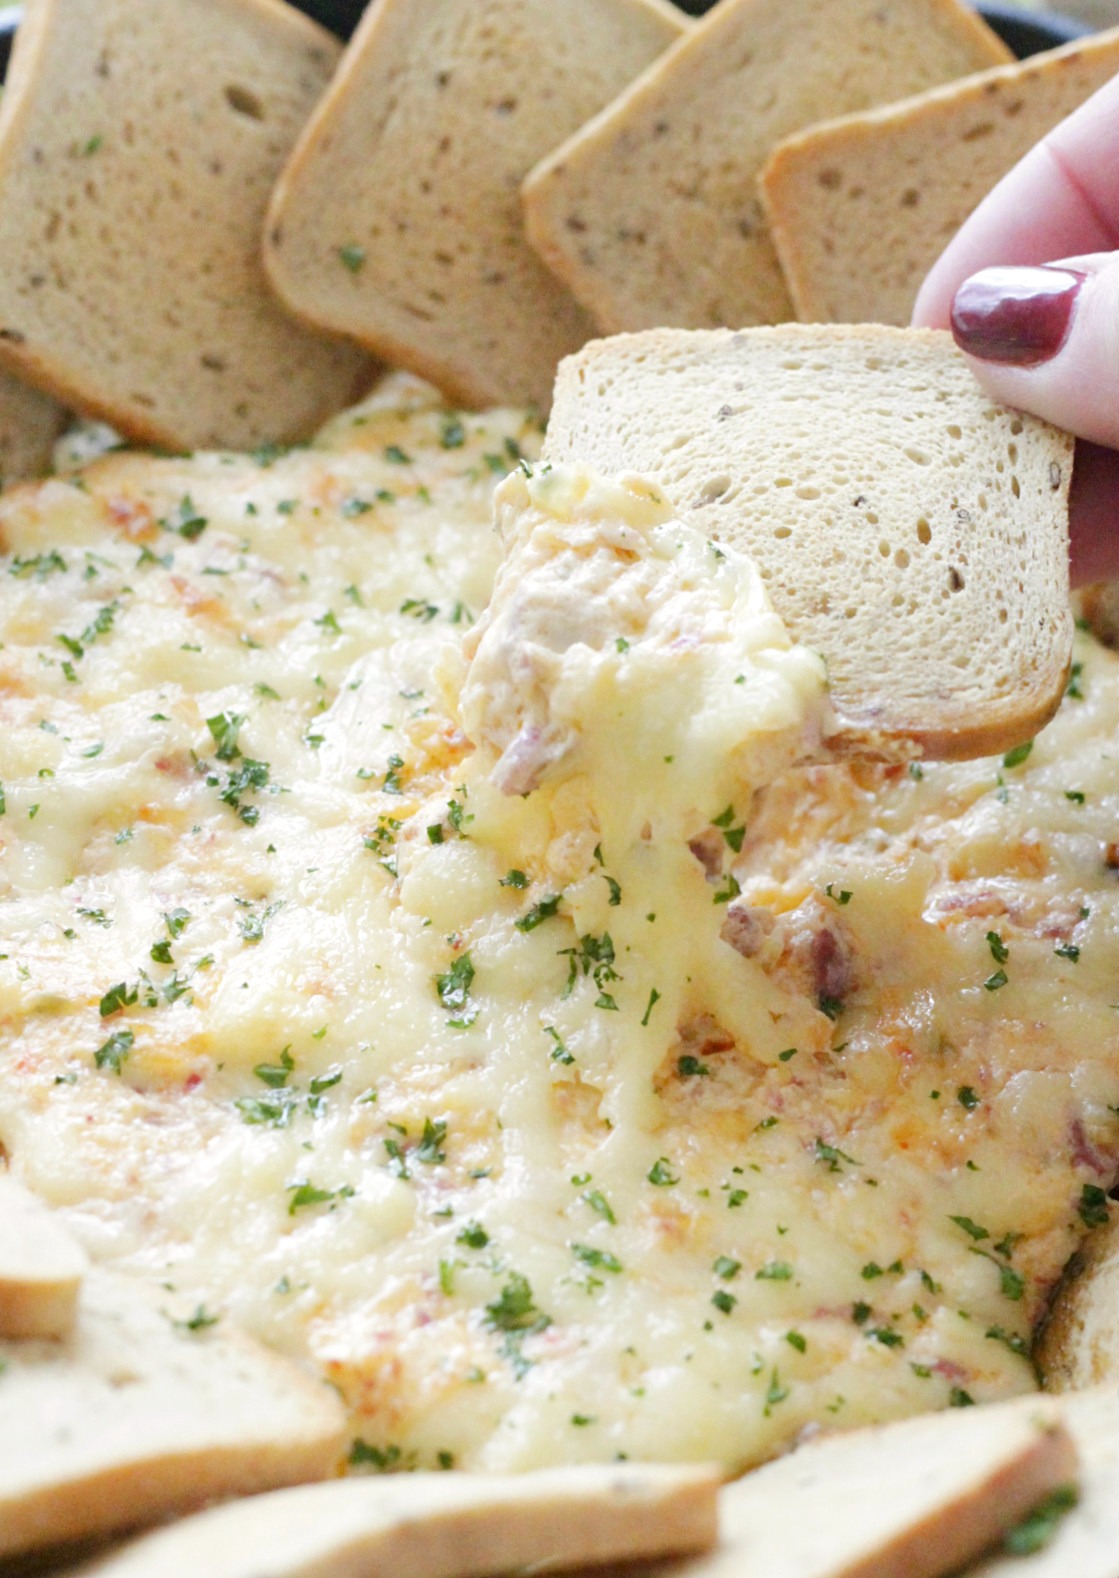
(999, 950)
(117, 997)
(734, 836)
(993, 982)
(660, 1174)
(351, 256)
(453, 991)
(1018, 755)
(972, 1229)
(513, 879)
(1093, 1207)
(560, 1054)
(598, 1202)
(723, 1300)
(1068, 950)
(967, 1098)
(305, 1194)
(514, 1308)
(113, 1052)
(958, 1398)
(726, 1268)
(544, 910)
(430, 1150)
(601, 1259)
(1037, 1529)
(186, 521)
(275, 1075)
(729, 890)
(832, 1155)
(473, 1236)
(774, 1271)
(654, 999)
(691, 1068)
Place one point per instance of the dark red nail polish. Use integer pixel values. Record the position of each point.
(1016, 315)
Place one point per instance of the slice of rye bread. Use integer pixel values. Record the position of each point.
(907, 528)
(437, 1526)
(41, 1267)
(139, 141)
(918, 1498)
(148, 1410)
(398, 221)
(1083, 1541)
(1077, 1344)
(30, 422)
(861, 207)
(651, 214)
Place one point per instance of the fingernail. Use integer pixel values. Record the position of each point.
(1016, 315)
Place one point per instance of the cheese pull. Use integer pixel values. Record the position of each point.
(41, 1267)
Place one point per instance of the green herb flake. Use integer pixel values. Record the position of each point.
(660, 1174)
(351, 257)
(1093, 1207)
(113, 1052)
(774, 1271)
(726, 1268)
(539, 913)
(117, 997)
(1018, 755)
(275, 1075)
(186, 521)
(1038, 1527)
(600, 1259)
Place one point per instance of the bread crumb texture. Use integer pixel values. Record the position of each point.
(651, 214)
(398, 220)
(862, 207)
(891, 507)
(139, 142)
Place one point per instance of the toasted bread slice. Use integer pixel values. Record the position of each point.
(918, 1498)
(1078, 1343)
(41, 1267)
(907, 528)
(397, 220)
(29, 424)
(139, 141)
(1073, 1535)
(438, 1526)
(861, 207)
(148, 1409)
(650, 214)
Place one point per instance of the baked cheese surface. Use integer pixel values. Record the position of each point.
(484, 1005)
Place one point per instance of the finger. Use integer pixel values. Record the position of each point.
(1061, 199)
(1094, 515)
(1047, 340)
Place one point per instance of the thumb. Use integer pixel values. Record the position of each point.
(1046, 339)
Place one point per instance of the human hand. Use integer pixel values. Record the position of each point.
(1030, 288)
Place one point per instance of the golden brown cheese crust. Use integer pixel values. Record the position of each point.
(240, 1046)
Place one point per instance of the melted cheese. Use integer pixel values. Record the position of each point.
(506, 1109)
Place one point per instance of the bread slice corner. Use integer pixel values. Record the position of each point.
(150, 1407)
(650, 215)
(397, 219)
(139, 141)
(860, 206)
